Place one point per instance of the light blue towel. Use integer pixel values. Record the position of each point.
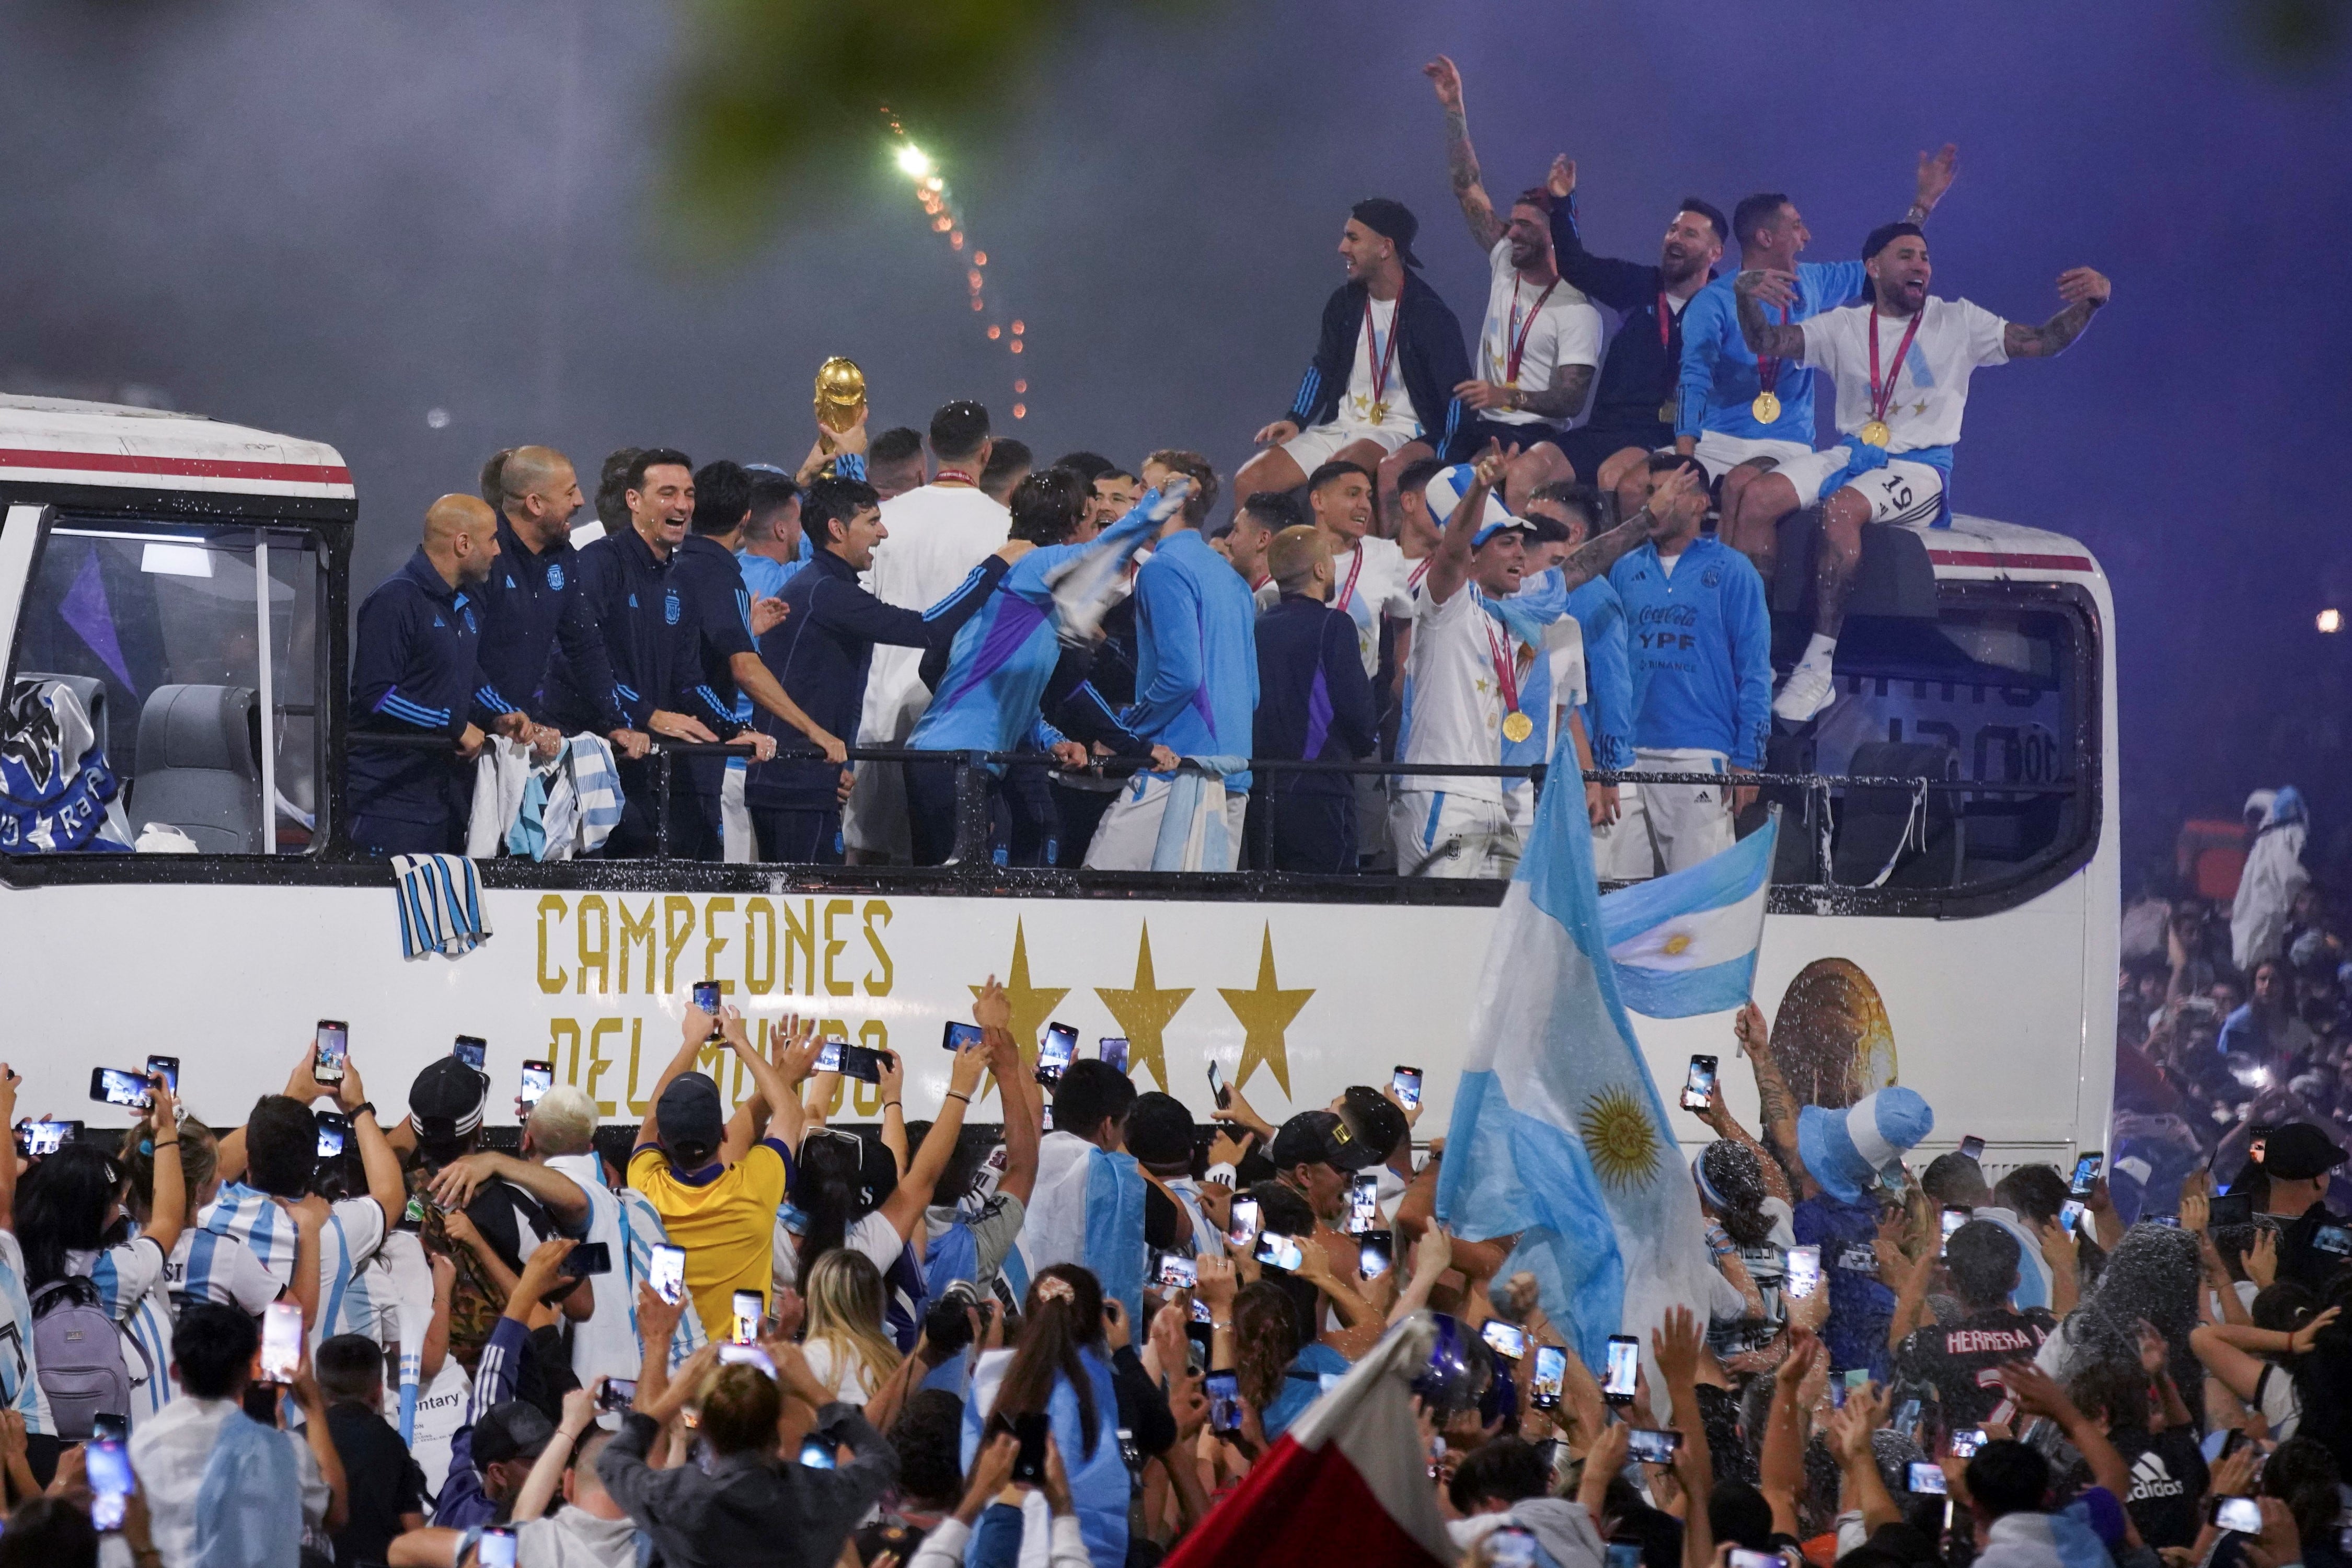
(440, 905)
(249, 1504)
(1189, 798)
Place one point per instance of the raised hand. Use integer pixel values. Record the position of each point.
(1560, 181)
(2080, 284)
(1446, 77)
(1764, 284)
(992, 1009)
(1936, 171)
(1491, 463)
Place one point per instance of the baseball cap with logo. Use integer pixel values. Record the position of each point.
(445, 1100)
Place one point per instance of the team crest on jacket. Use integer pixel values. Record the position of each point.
(1710, 578)
(670, 608)
(555, 576)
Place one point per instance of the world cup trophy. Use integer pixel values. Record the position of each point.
(840, 400)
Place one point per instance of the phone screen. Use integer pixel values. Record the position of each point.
(1966, 1441)
(828, 1056)
(1112, 1049)
(706, 996)
(2070, 1215)
(1406, 1082)
(1928, 1476)
(1364, 1202)
(473, 1051)
(120, 1086)
(618, 1394)
(281, 1341)
(2239, 1513)
(861, 1062)
(1029, 1464)
(1652, 1446)
(1625, 1366)
(1178, 1273)
(1504, 1338)
(110, 1478)
(46, 1137)
(1552, 1372)
(1805, 1272)
(538, 1077)
(1972, 1146)
(2086, 1172)
(1278, 1250)
(816, 1454)
(497, 1548)
(1953, 1219)
(2232, 1208)
(169, 1067)
(588, 1257)
(1698, 1084)
(666, 1272)
(1059, 1050)
(2332, 1239)
(750, 1307)
(1375, 1253)
(956, 1036)
(1510, 1547)
(333, 1132)
(1224, 1395)
(1245, 1222)
(332, 1048)
(1217, 1089)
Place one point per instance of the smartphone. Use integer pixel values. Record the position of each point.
(2232, 1443)
(1653, 1446)
(2232, 1208)
(1741, 1558)
(1112, 1049)
(1054, 1057)
(666, 1272)
(538, 1077)
(1029, 1464)
(828, 1056)
(330, 1049)
(617, 1393)
(588, 1257)
(281, 1341)
(37, 1138)
(473, 1051)
(1954, 1218)
(1625, 1366)
(2086, 1172)
(2242, 1515)
(1503, 1339)
(103, 1424)
(2332, 1239)
(1973, 1147)
(862, 1062)
(1698, 1083)
(1966, 1441)
(1177, 1272)
(1375, 1253)
(956, 1036)
(1625, 1553)
(1363, 1204)
(1508, 1546)
(1224, 1395)
(169, 1067)
(706, 997)
(496, 1549)
(816, 1454)
(1046, 1117)
(732, 1354)
(333, 1131)
(2258, 1142)
(1243, 1222)
(1552, 1372)
(749, 1307)
(2070, 1215)
(1928, 1476)
(1217, 1089)
(109, 1468)
(1804, 1276)
(1406, 1082)
(120, 1086)
(1279, 1251)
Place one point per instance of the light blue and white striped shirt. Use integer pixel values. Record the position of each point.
(354, 1230)
(607, 1344)
(209, 1266)
(20, 1391)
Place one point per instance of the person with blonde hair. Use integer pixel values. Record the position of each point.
(1314, 704)
(844, 1342)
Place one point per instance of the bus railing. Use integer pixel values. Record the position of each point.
(972, 853)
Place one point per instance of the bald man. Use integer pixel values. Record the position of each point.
(413, 672)
(535, 602)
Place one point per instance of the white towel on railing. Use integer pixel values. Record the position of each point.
(440, 905)
(1192, 831)
(500, 775)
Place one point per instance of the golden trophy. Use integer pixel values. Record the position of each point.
(840, 402)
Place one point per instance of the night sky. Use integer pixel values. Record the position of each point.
(329, 219)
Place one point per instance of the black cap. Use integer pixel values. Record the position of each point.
(1886, 234)
(2300, 1152)
(1159, 1129)
(445, 1100)
(514, 1429)
(692, 1123)
(1389, 220)
(1318, 1137)
(1374, 1118)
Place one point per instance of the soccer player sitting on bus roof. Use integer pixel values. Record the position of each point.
(1901, 361)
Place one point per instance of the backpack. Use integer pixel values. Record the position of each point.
(78, 1355)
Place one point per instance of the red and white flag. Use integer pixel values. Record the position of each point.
(1349, 1482)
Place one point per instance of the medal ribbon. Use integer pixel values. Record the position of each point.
(1519, 343)
(1768, 367)
(1381, 358)
(1881, 396)
(955, 477)
(1507, 671)
(1354, 569)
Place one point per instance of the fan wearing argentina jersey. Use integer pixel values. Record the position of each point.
(988, 697)
(266, 1195)
(20, 1392)
(1540, 342)
(1743, 417)
(1901, 362)
(206, 1267)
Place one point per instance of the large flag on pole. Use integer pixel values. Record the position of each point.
(1558, 1134)
(1684, 943)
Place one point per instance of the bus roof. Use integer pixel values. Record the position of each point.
(1978, 548)
(62, 440)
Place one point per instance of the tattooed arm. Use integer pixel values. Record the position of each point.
(1596, 555)
(1461, 158)
(1563, 399)
(2084, 291)
(1777, 1105)
(1755, 288)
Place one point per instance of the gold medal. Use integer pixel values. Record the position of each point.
(1666, 413)
(1767, 407)
(1517, 727)
(1877, 433)
(1379, 413)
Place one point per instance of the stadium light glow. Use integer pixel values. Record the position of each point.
(2331, 620)
(914, 162)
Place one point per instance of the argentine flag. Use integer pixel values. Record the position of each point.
(1558, 1134)
(1685, 943)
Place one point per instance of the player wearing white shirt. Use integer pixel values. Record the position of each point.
(1901, 361)
(936, 536)
(1368, 572)
(1539, 346)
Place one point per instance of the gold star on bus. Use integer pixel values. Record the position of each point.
(1032, 1005)
(1265, 1011)
(1143, 1011)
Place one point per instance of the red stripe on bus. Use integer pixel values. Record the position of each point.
(178, 467)
(2000, 558)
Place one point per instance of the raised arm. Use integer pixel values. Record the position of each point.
(1461, 159)
(1596, 555)
(698, 1026)
(1936, 171)
(1619, 285)
(2084, 291)
(556, 1192)
(1450, 567)
(381, 1167)
(1020, 1094)
(1755, 288)
(1778, 1106)
(904, 1207)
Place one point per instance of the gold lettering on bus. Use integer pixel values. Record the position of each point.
(878, 914)
(597, 1061)
(560, 1031)
(712, 941)
(637, 1036)
(834, 946)
(758, 948)
(550, 904)
(635, 931)
(677, 919)
(597, 949)
(800, 948)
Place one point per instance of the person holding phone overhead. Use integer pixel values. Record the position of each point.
(493, 1452)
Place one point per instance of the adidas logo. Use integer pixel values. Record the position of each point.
(2150, 1479)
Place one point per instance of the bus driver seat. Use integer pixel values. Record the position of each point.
(200, 766)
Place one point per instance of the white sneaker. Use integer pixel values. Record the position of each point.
(1809, 689)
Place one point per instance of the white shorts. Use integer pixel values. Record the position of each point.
(1719, 454)
(1310, 449)
(1899, 493)
(1128, 835)
(1439, 834)
(1664, 827)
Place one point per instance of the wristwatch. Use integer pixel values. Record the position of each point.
(366, 1105)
